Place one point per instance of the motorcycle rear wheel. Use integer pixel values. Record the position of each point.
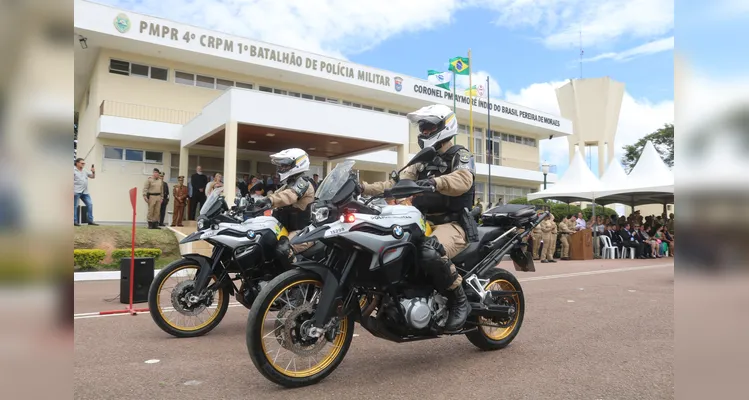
(288, 332)
(493, 338)
(159, 312)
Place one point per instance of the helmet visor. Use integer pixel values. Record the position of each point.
(283, 164)
(428, 129)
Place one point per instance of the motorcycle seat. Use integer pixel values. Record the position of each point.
(486, 234)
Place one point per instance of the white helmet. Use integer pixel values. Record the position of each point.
(290, 162)
(437, 123)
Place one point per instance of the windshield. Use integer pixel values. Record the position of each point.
(211, 200)
(334, 181)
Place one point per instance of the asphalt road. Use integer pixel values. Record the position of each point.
(600, 329)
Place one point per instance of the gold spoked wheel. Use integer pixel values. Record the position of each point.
(496, 333)
(508, 325)
(279, 340)
(177, 310)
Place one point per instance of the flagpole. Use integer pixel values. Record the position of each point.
(455, 111)
(488, 135)
(470, 104)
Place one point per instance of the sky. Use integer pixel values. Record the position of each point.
(527, 48)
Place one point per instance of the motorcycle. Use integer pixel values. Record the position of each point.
(372, 251)
(247, 247)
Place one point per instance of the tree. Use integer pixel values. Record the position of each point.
(663, 140)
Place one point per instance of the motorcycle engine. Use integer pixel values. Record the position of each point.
(417, 312)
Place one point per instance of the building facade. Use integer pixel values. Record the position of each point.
(152, 93)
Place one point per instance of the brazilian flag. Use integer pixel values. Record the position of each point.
(459, 65)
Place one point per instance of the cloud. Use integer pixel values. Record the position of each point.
(331, 27)
(603, 22)
(638, 117)
(657, 46)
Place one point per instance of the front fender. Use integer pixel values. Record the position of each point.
(331, 291)
(205, 272)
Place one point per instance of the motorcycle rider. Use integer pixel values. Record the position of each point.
(451, 177)
(293, 200)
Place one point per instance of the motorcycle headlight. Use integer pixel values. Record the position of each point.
(320, 214)
(202, 224)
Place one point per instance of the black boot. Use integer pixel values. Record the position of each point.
(457, 305)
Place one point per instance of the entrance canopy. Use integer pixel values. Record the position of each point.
(272, 140)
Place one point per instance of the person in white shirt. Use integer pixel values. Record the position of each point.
(257, 191)
(580, 222)
(80, 191)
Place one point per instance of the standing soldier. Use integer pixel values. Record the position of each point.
(549, 228)
(537, 235)
(180, 196)
(564, 234)
(152, 194)
(165, 200)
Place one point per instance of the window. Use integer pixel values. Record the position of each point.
(223, 84)
(159, 73)
(113, 153)
(366, 107)
(126, 68)
(206, 81)
(480, 187)
(137, 69)
(279, 91)
(462, 129)
(156, 157)
(320, 98)
(335, 101)
(379, 109)
(119, 67)
(244, 85)
(356, 105)
(265, 89)
(295, 94)
(307, 96)
(346, 103)
(393, 112)
(133, 155)
(184, 78)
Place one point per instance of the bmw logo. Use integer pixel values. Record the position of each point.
(250, 234)
(397, 231)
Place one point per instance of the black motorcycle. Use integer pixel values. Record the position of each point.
(372, 251)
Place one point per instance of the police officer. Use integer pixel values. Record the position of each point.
(549, 228)
(294, 198)
(451, 179)
(180, 196)
(564, 235)
(165, 200)
(152, 194)
(537, 235)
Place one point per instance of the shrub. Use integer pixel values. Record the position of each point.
(561, 210)
(87, 258)
(119, 254)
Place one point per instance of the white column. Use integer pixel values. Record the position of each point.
(325, 168)
(253, 167)
(230, 162)
(402, 151)
(601, 161)
(184, 160)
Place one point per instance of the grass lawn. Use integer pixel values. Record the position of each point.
(108, 238)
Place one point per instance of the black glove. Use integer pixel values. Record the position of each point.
(262, 203)
(429, 182)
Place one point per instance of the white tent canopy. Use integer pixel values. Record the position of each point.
(577, 184)
(649, 182)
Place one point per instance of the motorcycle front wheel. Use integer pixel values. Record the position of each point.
(172, 308)
(278, 340)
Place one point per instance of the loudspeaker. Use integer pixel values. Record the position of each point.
(143, 274)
